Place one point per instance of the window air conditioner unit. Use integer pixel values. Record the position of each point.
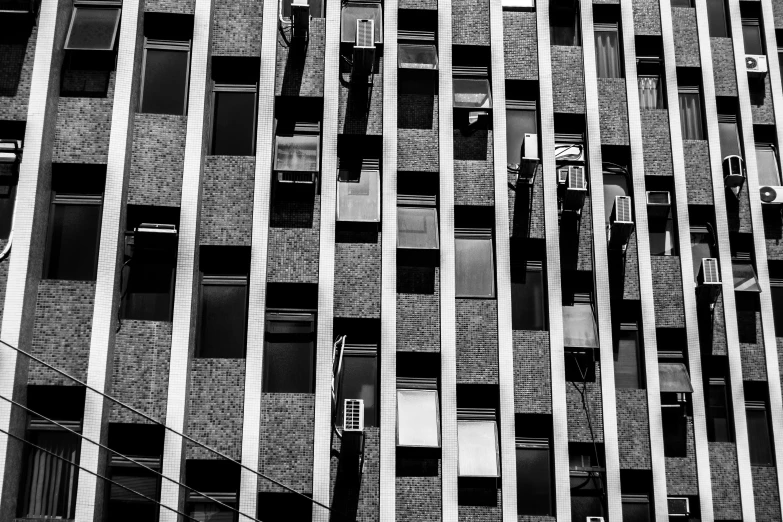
(756, 64)
(576, 189)
(562, 174)
(353, 415)
(771, 195)
(659, 203)
(733, 173)
(288, 176)
(364, 48)
(595, 519)
(529, 155)
(678, 506)
(709, 279)
(621, 222)
(300, 18)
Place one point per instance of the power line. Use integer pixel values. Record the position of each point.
(155, 421)
(126, 457)
(107, 479)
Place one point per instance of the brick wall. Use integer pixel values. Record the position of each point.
(765, 493)
(474, 175)
(719, 343)
(83, 126)
(157, 160)
(481, 513)
(585, 260)
(361, 105)
(724, 477)
(613, 111)
(418, 498)
(754, 363)
(418, 4)
(170, 6)
(294, 234)
(418, 314)
(526, 206)
(578, 425)
(568, 83)
(633, 429)
(16, 71)
(216, 401)
(470, 22)
(681, 471)
(140, 375)
(686, 37)
(417, 131)
(357, 279)
(657, 148)
(286, 441)
(61, 334)
(532, 372)
(227, 200)
(631, 270)
(723, 67)
(777, 9)
(667, 291)
(365, 500)
(646, 17)
(236, 28)
(3, 281)
(300, 71)
(761, 100)
(520, 45)
(477, 341)
(699, 174)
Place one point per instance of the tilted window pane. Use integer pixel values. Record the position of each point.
(165, 81)
(528, 310)
(353, 11)
(475, 269)
(579, 328)
(662, 238)
(478, 448)
(534, 475)
(297, 153)
(674, 378)
(150, 288)
(417, 227)
(360, 379)
(729, 139)
(416, 56)
(359, 198)
(758, 438)
(518, 123)
(767, 166)
(288, 365)
(223, 325)
(73, 242)
(234, 132)
(93, 29)
(745, 278)
(472, 93)
(418, 418)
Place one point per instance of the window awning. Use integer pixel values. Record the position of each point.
(93, 29)
(359, 197)
(674, 378)
(417, 56)
(472, 93)
(353, 11)
(745, 278)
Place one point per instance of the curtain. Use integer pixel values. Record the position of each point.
(607, 54)
(51, 482)
(650, 95)
(690, 112)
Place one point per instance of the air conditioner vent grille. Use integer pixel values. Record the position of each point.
(576, 178)
(353, 417)
(365, 33)
(622, 206)
(709, 267)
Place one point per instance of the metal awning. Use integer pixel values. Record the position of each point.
(674, 378)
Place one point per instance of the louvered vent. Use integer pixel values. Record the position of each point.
(365, 33)
(622, 209)
(576, 178)
(678, 506)
(296, 177)
(709, 270)
(353, 415)
(658, 197)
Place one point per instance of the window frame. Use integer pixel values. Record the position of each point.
(532, 265)
(310, 129)
(467, 416)
(711, 20)
(609, 28)
(638, 353)
(519, 106)
(94, 6)
(221, 280)
(690, 90)
(166, 45)
(583, 298)
(478, 234)
(366, 208)
(406, 203)
(753, 22)
(712, 384)
(761, 406)
(303, 316)
(770, 148)
(535, 444)
(63, 198)
(236, 88)
(422, 45)
(418, 385)
(364, 351)
(378, 19)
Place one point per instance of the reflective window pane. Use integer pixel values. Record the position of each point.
(297, 153)
(528, 301)
(478, 448)
(222, 317)
(150, 289)
(751, 34)
(767, 166)
(729, 139)
(93, 29)
(626, 366)
(716, 16)
(73, 242)
(579, 327)
(165, 81)
(475, 271)
(359, 381)
(414, 56)
(418, 418)
(234, 131)
(758, 437)
(359, 197)
(417, 227)
(472, 93)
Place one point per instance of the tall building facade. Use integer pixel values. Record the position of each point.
(319, 260)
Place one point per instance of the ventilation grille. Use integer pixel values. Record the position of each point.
(709, 270)
(365, 33)
(576, 178)
(622, 209)
(678, 506)
(353, 415)
(658, 197)
(295, 177)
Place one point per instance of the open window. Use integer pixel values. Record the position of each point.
(628, 360)
(417, 50)
(661, 224)
(359, 191)
(11, 149)
(353, 11)
(297, 155)
(522, 136)
(534, 464)
(478, 443)
(650, 72)
(234, 101)
(166, 63)
(767, 164)
(218, 479)
(355, 367)
(580, 329)
(289, 351)
(475, 262)
(743, 265)
(417, 222)
(471, 88)
(418, 412)
(703, 245)
(93, 26)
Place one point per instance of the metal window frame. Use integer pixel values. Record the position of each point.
(166, 45)
(94, 6)
(70, 199)
(299, 129)
(475, 415)
(227, 87)
(220, 280)
(420, 385)
(479, 234)
(420, 67)
(405, 201)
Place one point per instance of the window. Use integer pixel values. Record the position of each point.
(767, 161)
(744, 274)
(74, 235)
(649, 72)
(359, 191)
(719, 428)
(759, 439)
(776, 287)
(615, 184)
(675, 430)
(417, 222)
(702, 246)
(690, 113)
(7, 204)
(564, 22)
(418, 413)
(716, 17)
(316, 8)
(682, 3)
(471, 88)
(751, 35)
(234, 121)
(475, 265)
(627, 359)
(636, 508)
(289, 352)
(297, 147)
(283, 507)
(607, 51)
(534, 477)
(222, 319)
(144, 443)
(417, 56)
(528, 289)
(93, 26)
(358, 379)
(477, 440)
(661, 224)
(353, 11)
(165, 77)
(521, 121)
(587, 479)
(220, 480)
(729, 135)
(674, 376)
(579, 325)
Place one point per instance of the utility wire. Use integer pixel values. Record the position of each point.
(126, 457)
(155, 421)
(107, 479)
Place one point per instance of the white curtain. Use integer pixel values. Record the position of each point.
(607, 54)
(650, 96)
(51, 482)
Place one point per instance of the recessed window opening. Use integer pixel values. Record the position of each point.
(528, 285)
(616, 183)
(521, 133)
(752, 35)
(11, 151)
(316, 8)
(636, 486)
(418, 412)
(628, 356)
(661, 225)
(166, 63)
(758, 422)
(564, 22)
(586, 471)
(776, 287)
(719, 421)
(703, 244)
(533, 443)
(471, 86)
(234, 101)
(478, 443)
(360, 10)
(650, 72)
(579, 318)
(93, 26)
(691, 112)
(297, 151)
(716, 18)
(767, 164)
(474, 254)
(359, 190)
(289, 351)
(355, 368)
(608, 53)
(219, 479)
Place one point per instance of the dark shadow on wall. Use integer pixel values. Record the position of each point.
(523, 202)
(773, 228)
(12, 52)
(470, 143)
(292, 206)
(416, 100)
(294, 68)
(416, 272)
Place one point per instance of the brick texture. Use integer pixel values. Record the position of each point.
(520, 45)
(631, 270)
(681, 471)
(300, 70)
(761, 100)
(613, 111)
(724, 477)
(294, 233)
(157, 160)
(686, 37)
(470, 22)
(227, 202)
(526, 206)
(481, 513)
(698, 174)
(357, 279)
(418, 4)
(170, 6)
(418, 311)
(754, 363)
(667, 292)
(765, 494)
(418, 499)
(719, 343)
(477, 341)
(16, 71)
(646, 17)
(657, 143)
(417, 132)
(286, 445)
(578, 425)
(474, 175)
(532, 375)
(236, 28)
(568, 84)
(633, 429)
(723, 67)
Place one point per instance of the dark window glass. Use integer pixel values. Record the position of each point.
(716, 16)
(125, 506)
(534, 479)
(359, 381)
(283, 507)
(50, 482)
(93, 29)
(528, 297)
(607, 51)
(289, 356)
(663, 239)
(718, 421)
(702, 246)
(165, 83)
(627, 366)
(475, 266)
(74, 233)
(584, 506)
(614, 185)
(682, 3)
(777, 307)
(729, 138)
(674, 431)
(150, 290)
(212, 512)
(518, 123)
(564, 22)
(636, 509)
(759, 439)
(690, 115)
(223, 316)
(751, 35)
(417, 227)
(234, 131)
(472, 93)
(316, 8)
(7, 204)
